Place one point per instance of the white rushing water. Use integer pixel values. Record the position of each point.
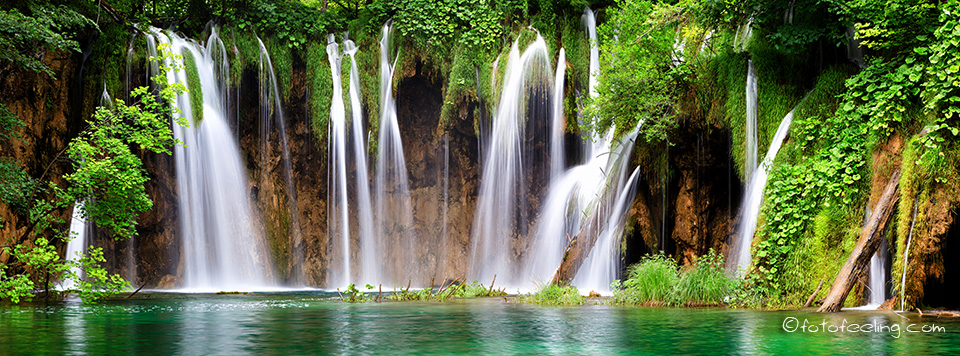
(557, 154)
(271, 110)
(392, 206)
(77, 244)
(739, 258)
(370, 267)
(750, 138)
(338, 209)
(222, 247)
(588, 199)
(499, 217)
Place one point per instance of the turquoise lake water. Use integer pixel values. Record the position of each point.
(317, 323)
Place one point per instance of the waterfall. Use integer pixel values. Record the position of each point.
(222, 247)
(739, 259)
(271, 109)
(588, 199)
(370, 266)
(338, 227)
(602, 264)
(393, 209)
(557, 158)
(878, 276)
(77, 244)
(501, 207)
(750, 139)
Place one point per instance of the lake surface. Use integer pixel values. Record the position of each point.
(317, 323)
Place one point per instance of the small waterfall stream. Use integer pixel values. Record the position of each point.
(750, 138)
(392, 206)
(739, 259)
(370, 267)
(271, 110)
(338, 210)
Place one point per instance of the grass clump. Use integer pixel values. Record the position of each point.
(552, 294)
(658, 280)
(649, 281)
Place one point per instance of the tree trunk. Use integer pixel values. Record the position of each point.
(866, 246)
(576, 253)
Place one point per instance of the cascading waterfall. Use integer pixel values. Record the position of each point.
(393, 217)
(271, 110)
(338, 226)
(602, 264)
(738, 260)
(500, 216)
(750, 139)
(370, 267)
(590, 198)
(222, 248)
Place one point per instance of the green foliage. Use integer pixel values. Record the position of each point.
(42, 259)
(815, 194)
(16, 286)
(354, 295)
(16, 186)
(291, 23)
(650, 280)
(639, 81)
(9, 124)
(436, 25)
(46, 27)
(452, 290)
(705, 283)
(193, 85)
(552, 294)
(790, 27)
(97, 284)
(109, 175)
(282, 59)
(657, 280)
(893, 25)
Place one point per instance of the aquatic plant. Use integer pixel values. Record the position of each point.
(552, 294)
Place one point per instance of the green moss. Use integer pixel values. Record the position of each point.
(245, 54)
(577, 48)
(282, 58)
(193, 86)
(106, 66)
(319, 88)
(460, 88)
(782, 80)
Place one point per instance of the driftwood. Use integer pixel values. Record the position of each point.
(577, 251)
(814, 295)
(866, 246)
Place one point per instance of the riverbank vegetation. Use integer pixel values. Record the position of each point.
(658, 280)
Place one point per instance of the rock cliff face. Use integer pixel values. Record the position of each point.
(48, 106)
(695, 208)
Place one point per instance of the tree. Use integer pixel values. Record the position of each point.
(108, 175)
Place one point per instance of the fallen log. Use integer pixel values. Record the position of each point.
(576, 253)
(867, 245)
(814, 295)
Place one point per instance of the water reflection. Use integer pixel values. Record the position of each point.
(311, 323)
